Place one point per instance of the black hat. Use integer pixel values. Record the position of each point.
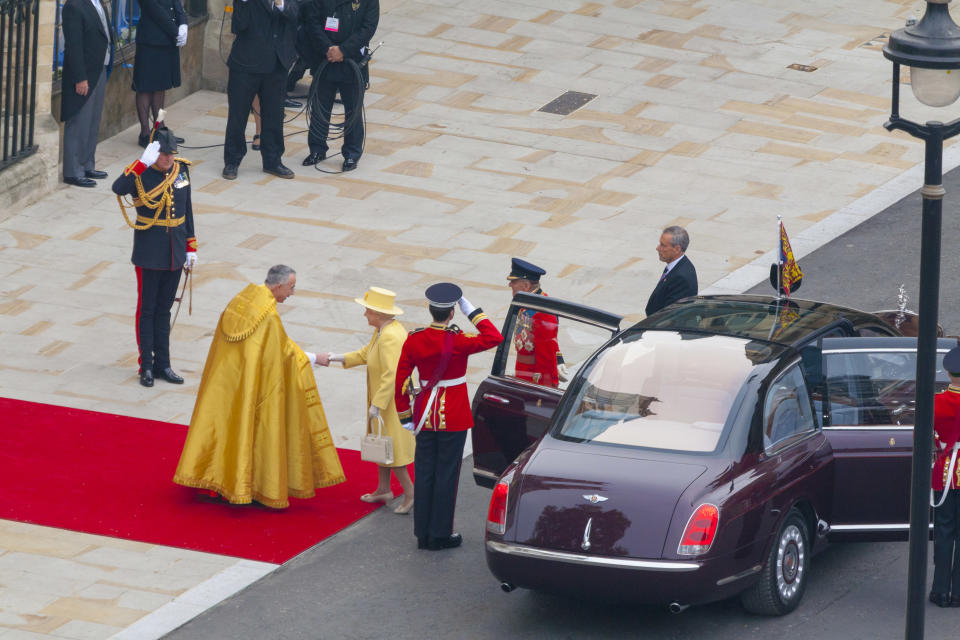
(168, 141)
(443, 294)
(521, 269)
(951, 361)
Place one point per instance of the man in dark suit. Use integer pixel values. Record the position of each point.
(263, 51)
(87, 58)
(679, 278)
(340, 31)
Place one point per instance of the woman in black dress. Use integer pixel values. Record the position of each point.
(156, 66)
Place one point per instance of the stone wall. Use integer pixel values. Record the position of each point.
(217, 40)
(30, 179)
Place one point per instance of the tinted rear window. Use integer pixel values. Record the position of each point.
(784, 322)
(661, 390)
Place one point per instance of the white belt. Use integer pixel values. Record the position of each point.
(433, 394)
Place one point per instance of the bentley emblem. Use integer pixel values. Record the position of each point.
(594, 499)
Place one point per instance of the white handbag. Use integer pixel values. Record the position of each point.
(376, 447)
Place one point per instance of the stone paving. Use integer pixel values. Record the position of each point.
(698, 121)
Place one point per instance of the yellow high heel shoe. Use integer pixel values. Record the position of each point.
(386, 496)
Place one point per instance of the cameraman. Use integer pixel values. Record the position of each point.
(340, 31)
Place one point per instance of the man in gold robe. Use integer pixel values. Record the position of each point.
(258, 430)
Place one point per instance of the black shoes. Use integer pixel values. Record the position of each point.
(167, 374)
(292, 104)
(146, 379)
(143, 141)
(255, 144)
(349, 164)
(95, 174)
(280, 171)
(940, 599)
(80, 182)
(314, 158)
(437, 544)
(230, 172)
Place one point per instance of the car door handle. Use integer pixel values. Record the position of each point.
(492, 397)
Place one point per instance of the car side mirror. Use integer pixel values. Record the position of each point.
(811, 363)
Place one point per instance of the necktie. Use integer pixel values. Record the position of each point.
(664, 276)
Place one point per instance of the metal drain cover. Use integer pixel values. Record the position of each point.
(567, 103)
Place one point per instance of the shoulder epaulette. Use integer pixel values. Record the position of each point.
(184, 161)
(454, 328)
(417, 330)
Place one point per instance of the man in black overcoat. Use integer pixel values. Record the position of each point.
(87, 59)
(164, 244)
(261, 54)
(340, 31)
(679, 278)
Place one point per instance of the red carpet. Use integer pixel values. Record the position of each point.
(111, 475)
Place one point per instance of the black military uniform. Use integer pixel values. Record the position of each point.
(162, 239)
(349, 25)
(259, 59)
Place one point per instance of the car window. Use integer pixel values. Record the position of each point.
(874, 387)
(547, 349)
(787, 408)
(661, 390)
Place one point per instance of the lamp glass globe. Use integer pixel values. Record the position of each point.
(935, 87)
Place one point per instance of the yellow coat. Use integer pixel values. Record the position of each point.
(258, 430)
(381, 356)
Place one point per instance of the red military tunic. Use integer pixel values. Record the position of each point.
(538, 351)
(946, 431)
(450, 410)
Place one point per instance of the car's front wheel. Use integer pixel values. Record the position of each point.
(784, 576)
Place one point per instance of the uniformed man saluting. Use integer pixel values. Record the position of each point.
(535, 337)
(441, 413)
(164, 244)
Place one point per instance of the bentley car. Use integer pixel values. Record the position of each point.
(706, 452)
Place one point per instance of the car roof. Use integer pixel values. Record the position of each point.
(755, 317)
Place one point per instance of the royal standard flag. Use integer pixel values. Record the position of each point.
(789, 271)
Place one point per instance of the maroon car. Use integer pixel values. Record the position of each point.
(706, 452)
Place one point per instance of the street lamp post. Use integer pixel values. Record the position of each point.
(931, 48)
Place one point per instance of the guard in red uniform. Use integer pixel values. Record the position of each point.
(441, 413)
(535, 337)
(946, 517)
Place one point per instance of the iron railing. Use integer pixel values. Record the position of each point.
(18, 78)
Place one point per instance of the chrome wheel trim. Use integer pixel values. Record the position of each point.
(791, 556)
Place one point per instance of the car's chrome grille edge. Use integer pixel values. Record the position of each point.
(597, 561)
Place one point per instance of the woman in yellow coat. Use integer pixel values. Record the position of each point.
(381, 355)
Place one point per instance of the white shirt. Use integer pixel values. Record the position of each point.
(106, 29)
(671, 265)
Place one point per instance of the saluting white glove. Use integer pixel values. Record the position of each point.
(182, 35)
(374, 411)
(151, 153)
(466, 307)
(191, 261)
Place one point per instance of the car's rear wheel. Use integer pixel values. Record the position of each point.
(784, 576)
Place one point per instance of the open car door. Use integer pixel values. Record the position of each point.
(545, 342)
(868, 402)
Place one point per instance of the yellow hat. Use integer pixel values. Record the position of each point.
(381, 300)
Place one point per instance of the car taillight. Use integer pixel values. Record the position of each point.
(700, 531)
(497, 515)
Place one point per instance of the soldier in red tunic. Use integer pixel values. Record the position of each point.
(441, 413)
(946, 517)
(535, 337)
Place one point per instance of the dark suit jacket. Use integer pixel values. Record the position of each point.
(256, 23)
(84, 48)
(356, 28)
(160, 21)
(680, 282)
